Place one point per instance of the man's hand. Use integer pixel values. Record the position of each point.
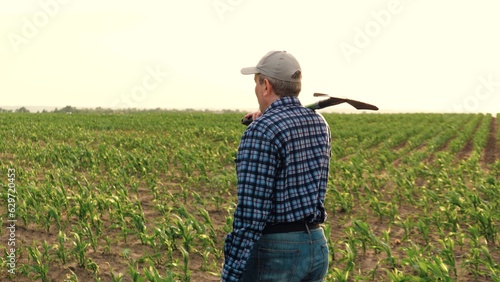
(250, 117)
(253, 115)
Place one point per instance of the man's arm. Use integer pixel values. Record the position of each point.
(255, 166)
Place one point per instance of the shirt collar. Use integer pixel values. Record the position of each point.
(284, 102)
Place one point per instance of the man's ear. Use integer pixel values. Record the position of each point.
(268, 87)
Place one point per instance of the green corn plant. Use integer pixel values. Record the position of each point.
(366, 235)
(346, 202)
(204, 253)
(490, 261)
(3, 261)
(452, 218)
(116, 277)
(139, 223)
(481, 257)
(80, 248)
(87, 230)
(406, 225)
(185, 267)
(376, 206)
(71, 277)
(431, 267)
(348, 256)
(474, 237)
(24, 270)
(153, 275)
(61, 247)
(208, 221)
(228, 226)
(126, 254)
(485, 218)
(135, 274)
(23, 212)
(46, 256)
(438, 221)
(152, 241)
(385, 246)
(339, 275)
(153, 259)
(82, 206)
(185, 192)
(342, 199)
(54, 213)
(199, 200)
(163, 208)
(135, 188)
(97, 224)
(353, 241)
(447, 252)
(330, 243)
(423, 228)
(107, 247)
(92, 266)
(459, 239)
(185, 230)
(392, 211)
(183, 212)
(395, 275)
(379, 245)
(120, 213)
(166, 238)
(414, 260)
(218, 200)
(438, 269)
(40, 269)
(473, 262)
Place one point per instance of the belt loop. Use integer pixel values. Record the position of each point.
(307, 228)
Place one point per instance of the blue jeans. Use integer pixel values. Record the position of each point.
(290, 257)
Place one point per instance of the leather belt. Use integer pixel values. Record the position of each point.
(289, 227)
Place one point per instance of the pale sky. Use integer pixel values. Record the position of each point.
(401, 55)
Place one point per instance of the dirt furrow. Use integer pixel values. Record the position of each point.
(490, 152)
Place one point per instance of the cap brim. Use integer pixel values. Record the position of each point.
(249, 70)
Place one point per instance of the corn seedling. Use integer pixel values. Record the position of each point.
(80, 248)
(39, 266)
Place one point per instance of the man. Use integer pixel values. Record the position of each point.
(282, 169)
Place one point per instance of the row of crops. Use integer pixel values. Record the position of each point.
(150, 196)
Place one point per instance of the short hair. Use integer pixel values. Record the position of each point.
(284, 88)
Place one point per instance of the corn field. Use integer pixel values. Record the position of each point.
(149, 196)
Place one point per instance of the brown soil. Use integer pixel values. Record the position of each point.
(468, 147)
(491, 151)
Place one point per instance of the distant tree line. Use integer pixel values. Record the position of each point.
(71, 110)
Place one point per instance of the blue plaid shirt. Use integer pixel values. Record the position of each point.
(282, 169)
